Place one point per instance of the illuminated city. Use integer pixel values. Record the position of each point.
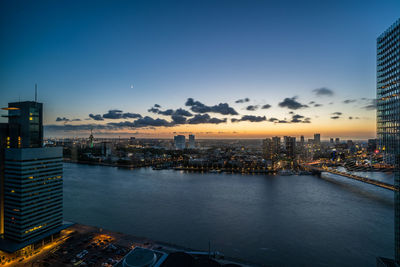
(204, 133)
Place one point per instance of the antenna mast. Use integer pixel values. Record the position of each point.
(35, 92)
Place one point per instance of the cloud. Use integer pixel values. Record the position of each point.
(356, 118)
(170, 112)
(178, 119)
(317, 105)
(311, 102)
(244, 100)
(157, 106)
(148, 121)
(118, 114)
(371, 105)
(252, 107)
(297, 118)
(323, 91)
(266, 106)
(292, 103)
(221, 108)
(282, 121)
(76, 120)
(183, 112)
(348, 101)
(205, 118)
(272, 119)
(142, 122)
(337, 113)
(250, 118)
(97, 117)
(62, 119)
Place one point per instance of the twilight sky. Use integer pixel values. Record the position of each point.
(307, 66)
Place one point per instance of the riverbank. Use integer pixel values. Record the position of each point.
(93, 246)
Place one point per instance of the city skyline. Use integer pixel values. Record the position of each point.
(272, 83)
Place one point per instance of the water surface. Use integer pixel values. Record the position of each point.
(271, 220)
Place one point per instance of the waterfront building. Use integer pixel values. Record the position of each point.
(290, 146)
(372, 145)
(180, 142)
(302, 141)
(30, 179)
(388, 108)
(317, 139)
(192, 143)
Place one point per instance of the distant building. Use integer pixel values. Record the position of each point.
(337, 140)
(331, 141)
(180, 142)
(317, 139)
(192, 143)
(290, 146)
(106, 149)
(372, 145)
(271, 148)
(91, 139)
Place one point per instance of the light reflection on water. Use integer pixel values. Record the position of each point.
(275, 220)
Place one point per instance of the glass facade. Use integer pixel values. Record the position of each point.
(388, 108)
(33, 192)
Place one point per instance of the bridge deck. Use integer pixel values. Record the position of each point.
(354, 177)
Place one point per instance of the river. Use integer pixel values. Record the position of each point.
(272, 220)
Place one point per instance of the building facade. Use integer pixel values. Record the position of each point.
(31, 184)
(388, 108)
(33, 192)
(192, 143)
(180, 142)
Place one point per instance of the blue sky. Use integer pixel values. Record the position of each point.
(86, 55)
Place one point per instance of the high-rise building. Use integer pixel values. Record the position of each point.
(33, 192)
(317, 139)
(30, 179)
(271, 148)
(337, 140)
(290, 146)
(388, 109)
(192, 143)
(180, 142)
(28, 116)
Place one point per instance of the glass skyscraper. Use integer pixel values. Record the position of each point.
(388, 108)
(31, 184)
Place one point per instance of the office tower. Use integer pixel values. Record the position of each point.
(290, 146)
(180, 142)
(271, 148)
(31, 179)
(317, 139)
(337, 140)
(28, 115)
(276, 146)
(192, 143)
(331, 141)
(267, 149)
(388, 108)
(372, 145)
(32, 192)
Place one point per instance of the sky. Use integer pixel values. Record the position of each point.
(218, 69)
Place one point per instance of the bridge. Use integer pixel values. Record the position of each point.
(319, 169)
